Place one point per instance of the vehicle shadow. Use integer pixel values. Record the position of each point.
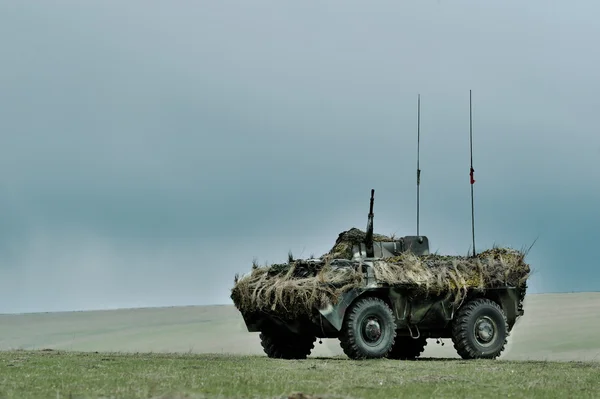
(421, 359)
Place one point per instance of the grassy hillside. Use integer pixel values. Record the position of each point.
(555, 327)
(206, 352)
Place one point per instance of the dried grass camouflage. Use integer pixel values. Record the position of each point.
(299, 286)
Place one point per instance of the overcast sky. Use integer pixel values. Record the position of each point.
(150, 150)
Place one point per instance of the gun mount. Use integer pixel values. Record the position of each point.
(370, 248)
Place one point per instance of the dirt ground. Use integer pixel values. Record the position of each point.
(554, 327)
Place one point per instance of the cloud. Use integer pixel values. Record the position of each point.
(157, 149)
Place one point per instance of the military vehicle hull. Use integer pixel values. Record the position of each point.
(428, 316)
(401, 315)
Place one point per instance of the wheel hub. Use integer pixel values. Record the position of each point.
(484, 330)
(372, 329)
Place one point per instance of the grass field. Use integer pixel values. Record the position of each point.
(206, 352)
(28, 374)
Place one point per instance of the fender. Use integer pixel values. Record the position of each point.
(334, 314)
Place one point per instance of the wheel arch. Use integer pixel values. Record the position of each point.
(380, 293)
(336, 314)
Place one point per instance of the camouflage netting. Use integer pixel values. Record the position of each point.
(343, 245)
(295, 288)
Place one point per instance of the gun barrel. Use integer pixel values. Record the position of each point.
(369, 235)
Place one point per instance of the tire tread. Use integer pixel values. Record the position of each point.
(459, 333)
(284, 347)
(407, 348)
(348, 338)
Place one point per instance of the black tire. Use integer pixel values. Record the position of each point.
(279, 345)
(480, 330)
(407, 348)
(368, 330)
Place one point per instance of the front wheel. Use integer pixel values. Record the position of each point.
(369, 329)
(480, 330)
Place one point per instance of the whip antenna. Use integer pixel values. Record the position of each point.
(418, 151)
(471, 172)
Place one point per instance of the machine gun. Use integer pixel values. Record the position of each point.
(369, 236)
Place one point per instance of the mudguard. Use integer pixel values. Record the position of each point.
(334, 314)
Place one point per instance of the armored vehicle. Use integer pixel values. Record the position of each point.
(376, 319)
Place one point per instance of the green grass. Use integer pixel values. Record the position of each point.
(57, 374)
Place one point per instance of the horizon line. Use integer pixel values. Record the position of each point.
(216, 305)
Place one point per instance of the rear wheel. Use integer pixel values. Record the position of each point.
(368, 330)
(480, 330)
(281, 345)
(407, 348)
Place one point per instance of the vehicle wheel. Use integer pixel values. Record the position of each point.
(407, 348)
(279, 345)
(480, 330)
(368, 330)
